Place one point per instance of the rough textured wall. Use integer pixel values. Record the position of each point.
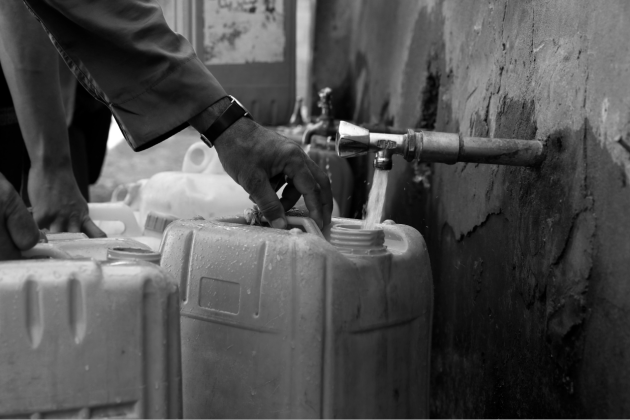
(531, 266)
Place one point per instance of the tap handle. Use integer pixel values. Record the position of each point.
(325, 102)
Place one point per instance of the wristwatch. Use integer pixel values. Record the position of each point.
(232, 113)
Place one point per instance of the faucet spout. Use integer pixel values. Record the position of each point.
(427, 146)
(325, 124)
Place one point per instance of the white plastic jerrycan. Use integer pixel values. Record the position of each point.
(79, 246)
(83, 339)
(200, 159)
(202, 189)
(118, 220)
(288, 323)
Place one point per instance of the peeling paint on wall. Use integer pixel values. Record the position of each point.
(243, 31)
(530, 265)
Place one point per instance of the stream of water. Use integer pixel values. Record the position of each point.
(376, 200)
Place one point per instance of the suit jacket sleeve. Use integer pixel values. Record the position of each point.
(125, 54)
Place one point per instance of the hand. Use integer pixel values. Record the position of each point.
(58, 204)
(18, 231)
(261, 161)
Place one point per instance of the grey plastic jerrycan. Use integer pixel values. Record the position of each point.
(293, 323)
(83, 337)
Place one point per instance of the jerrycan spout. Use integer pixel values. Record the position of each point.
(352, 239)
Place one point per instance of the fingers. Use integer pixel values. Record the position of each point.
(290, 196)
(91, 230)
(326, 195)
(19, 231)
(277, 182)
(305, 183)
(8, 250)
(261, 192)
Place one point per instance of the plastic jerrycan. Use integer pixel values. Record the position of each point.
(288, 323)
(118, 220)
(84, 339)
(203, 189)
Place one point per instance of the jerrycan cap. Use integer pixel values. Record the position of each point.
(128, 253)
(351, 239)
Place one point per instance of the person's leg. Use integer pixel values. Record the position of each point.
(80, 160)
(13, 154)
(91, 122)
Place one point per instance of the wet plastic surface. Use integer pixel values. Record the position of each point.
(96, 248)
(279, 323)
(88, 340)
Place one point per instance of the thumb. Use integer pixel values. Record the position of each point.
(268, 202)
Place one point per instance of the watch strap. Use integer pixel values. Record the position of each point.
(232, 113)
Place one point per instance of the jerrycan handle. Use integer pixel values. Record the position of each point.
(44, 250)
(307, 223)
(116, 212)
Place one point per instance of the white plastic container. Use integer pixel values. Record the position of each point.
(202, 189)
(200, 159)
(283, 323)
(118, 220)
(82, 339)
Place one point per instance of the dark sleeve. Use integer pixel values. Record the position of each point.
(124, 53)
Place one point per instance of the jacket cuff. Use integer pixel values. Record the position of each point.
(164, 109)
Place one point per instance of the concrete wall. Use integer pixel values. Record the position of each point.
(531, 266)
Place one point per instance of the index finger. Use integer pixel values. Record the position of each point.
(305, 183)
(326, 192)
(91, 230)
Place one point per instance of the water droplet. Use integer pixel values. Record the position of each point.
(87, 367)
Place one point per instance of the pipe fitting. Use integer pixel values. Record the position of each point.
(429, 146)
(383, 160)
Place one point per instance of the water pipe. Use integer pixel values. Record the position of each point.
(325, 123)
(430, 146)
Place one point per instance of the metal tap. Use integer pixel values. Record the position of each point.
(430, 146)
(325, 123)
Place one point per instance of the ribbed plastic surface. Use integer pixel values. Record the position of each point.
(83, 340)
(279, 323)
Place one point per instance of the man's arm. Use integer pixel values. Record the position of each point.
(124, 53)
(29, 62)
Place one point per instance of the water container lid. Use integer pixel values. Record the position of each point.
(128, 253)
